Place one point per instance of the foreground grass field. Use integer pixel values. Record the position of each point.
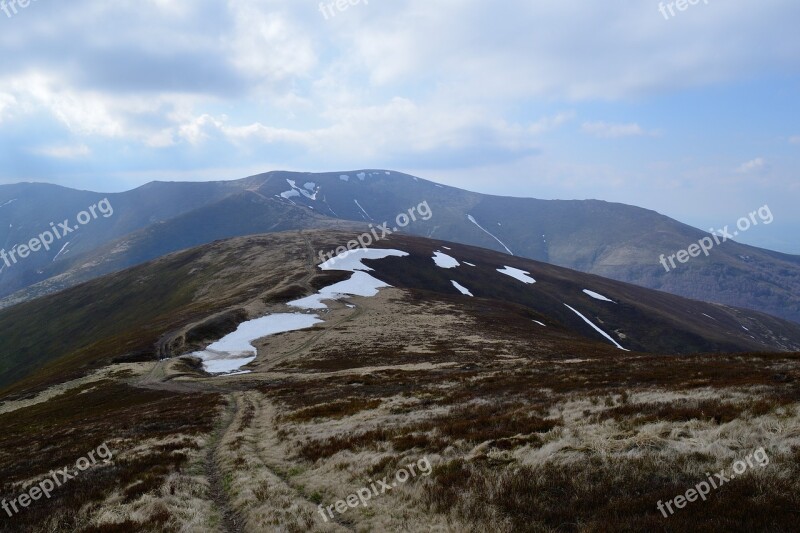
(520, 423)
(522, 437)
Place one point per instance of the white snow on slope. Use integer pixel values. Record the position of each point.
(444, 260)
(463, 290)
(598, 296)
(352, 259)
(229, 354)
(61, 250)
(516, 273)
(8, 202)
(344, 177)
(310, 185)
(361, 176)
(470, 264)
(304, 192)
(359, 284)
(540, 323)
(603, 333)
(233, 351)
(362, 209)
(290, 194)
(472, 219)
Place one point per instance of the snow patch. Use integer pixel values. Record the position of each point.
(603, 333)
(359, 284)
(472, 219)
(233, 351)
(362, 210)
(344, 177)
(300, 191)
(352, 259)
(518, 274)
(61, 250)
(598, 296)
(444, 260)
(463, 290)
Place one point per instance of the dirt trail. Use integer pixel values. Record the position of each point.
(231, 522)
(243, 407)
(257, 439)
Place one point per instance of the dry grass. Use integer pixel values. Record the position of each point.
(529, 429)
(152, 483)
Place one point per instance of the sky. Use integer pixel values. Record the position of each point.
(693, 113)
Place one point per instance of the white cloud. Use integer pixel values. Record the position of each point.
(82, 112)
(161, 139)
(754, 165)
(64, 151)
(606, 130)
(567, 49)
(546, 124)
(265, 44)
(7, 102)
(385, 132)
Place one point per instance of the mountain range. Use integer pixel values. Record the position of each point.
(615, 241)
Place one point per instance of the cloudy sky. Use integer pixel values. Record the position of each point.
(694, 115)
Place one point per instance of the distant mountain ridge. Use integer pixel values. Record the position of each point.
(612, 240)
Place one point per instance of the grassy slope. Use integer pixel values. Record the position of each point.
(126, 314)
(527, 428)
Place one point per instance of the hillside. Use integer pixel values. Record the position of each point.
(516, 413)
(131, 311)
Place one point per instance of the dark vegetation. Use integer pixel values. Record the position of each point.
(57, 433)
